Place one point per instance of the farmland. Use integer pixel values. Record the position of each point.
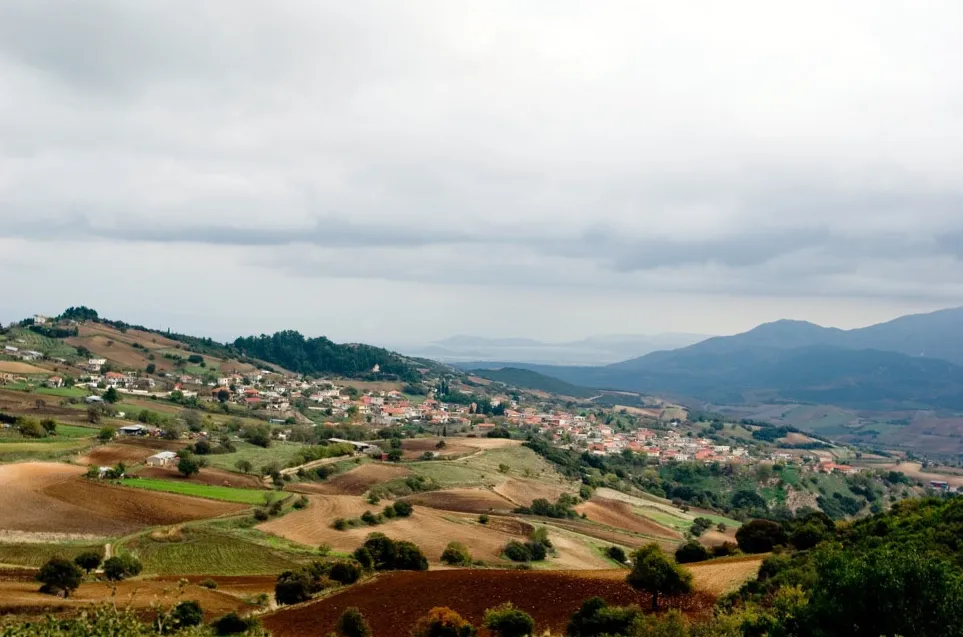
(550, 597)
(211, 492)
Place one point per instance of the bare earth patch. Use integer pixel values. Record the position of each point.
(619, 515)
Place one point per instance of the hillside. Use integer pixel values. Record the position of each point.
(527, 379)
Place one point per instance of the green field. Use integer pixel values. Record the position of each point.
(210, 551)
(483, 468)
(227, 494)
(26, 339)
(283, 453)
(65, 433)
(36, 554)
(60, 392)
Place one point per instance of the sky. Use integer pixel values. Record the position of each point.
(398, 172)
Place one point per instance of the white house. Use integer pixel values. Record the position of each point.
(161, 459)
(31, 355)
(10, 349)
(94, 364)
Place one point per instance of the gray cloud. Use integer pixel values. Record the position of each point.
(630, 149)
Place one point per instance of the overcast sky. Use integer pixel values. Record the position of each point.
(403, 171)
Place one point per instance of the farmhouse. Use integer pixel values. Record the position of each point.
(94, 364)
(161, 459)
(133, 430)
(55, 381)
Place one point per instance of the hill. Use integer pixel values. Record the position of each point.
(527, 379)
(794, 361)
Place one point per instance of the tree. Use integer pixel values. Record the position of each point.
(654, 573)
(94, 413)
(59, 575)
(517, 552)
(188, 466)
(403, 509)
(353, 624)
(111, 396)
(106, 434)
(244, 466)
(442, 622)
(121, 567)
(508, 621)
(151, 368)
(760, 536)
(345, 572)
(186, 614)
(192, 418)
(258, 435)
(30, 428)
(231, 624)
(88, 560)
(292, 587)
(456, 554)
(616, 553)
(595, 617)
(49, 425)
(691, 551)
(394, 455)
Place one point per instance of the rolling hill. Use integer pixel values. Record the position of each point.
(877, 367)
(528, 379)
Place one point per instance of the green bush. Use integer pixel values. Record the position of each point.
(353, 624)
(690, 552)
(345, 572)
(456, 554)
(616, 553)
(508, 621)
(517, 552)
(121, 567)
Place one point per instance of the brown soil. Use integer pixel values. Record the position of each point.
(430, 529)
(240, 585)
(111, 454)
(214, 477)
(22, 597)
(16, 367)
(393, 602)
(719, 577)
(51, 497)
(354, 482)
(522, 492)
(464, 500)
(715, 538)
(615, 536)
(415, 447)
(619, 515)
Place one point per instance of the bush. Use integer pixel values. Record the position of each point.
(508, 621)
(388, 555)
(187, 613)
(456, 554)
(88, 560)
(188, 466)
(370, 518)
(345, 572)
(121, 567)
(30, 428)
(232, 624)
(208, 583)
(353, 624)
(690, 552)
(616, 553)
(292, 587)
(483, 518)
(537, 551)
(760, 536)
(364, 558)
(261, 514)
(59, 575)
(724, 550)
(301, 502)
(49, 425)
(595, 617)
(106, 434)
(403, 509)
(442, 622)
(653, 573)
(517, 552)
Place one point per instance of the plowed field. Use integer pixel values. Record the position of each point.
(394, 601)
(463, 500)
(21, 596)
(619, 515)
(522, 492)
(45, 497)
(356, 481)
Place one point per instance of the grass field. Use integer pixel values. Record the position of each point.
(49, 346)
(210, 551)
(482, 469)
(36, 554)
(64, 433)
(17, 451)
(227, 494)
(283, 453)
(60, 392)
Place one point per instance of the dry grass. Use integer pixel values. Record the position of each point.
(16, 367)
(619, 515)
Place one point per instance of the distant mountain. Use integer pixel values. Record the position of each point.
(595, 350)
(528, 379)
(877, 367)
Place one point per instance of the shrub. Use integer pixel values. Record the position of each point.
(370, 518)
(106, 434)
(616, 553)
(508, 621)
(442, 622)
(394, 455)
(724, 550)
(59, 575)
(261, 514)
(364, 558)
(345, 572)
(301, 502)
(187, 613)
(121, 567)
(388, 555)
(30, 428)
(232, 624)
(353, 624)
(292, 587)
(456, 554)
(403, 509)
(517, 552)
(760, 536)
(690, 552)
(208, 583)
(595, 617)
(88, 560)
(483, 518)
(49, 425)
(537, 551)
(188, 466)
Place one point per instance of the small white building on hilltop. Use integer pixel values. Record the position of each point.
(162, 459)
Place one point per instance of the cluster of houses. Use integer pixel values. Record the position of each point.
(23, 354)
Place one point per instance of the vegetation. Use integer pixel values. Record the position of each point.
(88, 560)
(655, 574)
(212, 492)
(386, 554)
(353, 624)
(690, 552)
(456, 554)
(59, 575)
(121, 567)
(508, 621)
(442, 622)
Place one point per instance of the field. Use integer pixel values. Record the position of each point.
(464, 500)
(35, 554)
(211, 492)
(619, 515)
(282, 453)
(355, 482)
(207, 476)
(17, 367)
(49, 497)
(550, 597)
(19, 594)
(210, 551)
(110, 454)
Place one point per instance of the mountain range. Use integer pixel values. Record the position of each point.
(595, 350)
(912, 362)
